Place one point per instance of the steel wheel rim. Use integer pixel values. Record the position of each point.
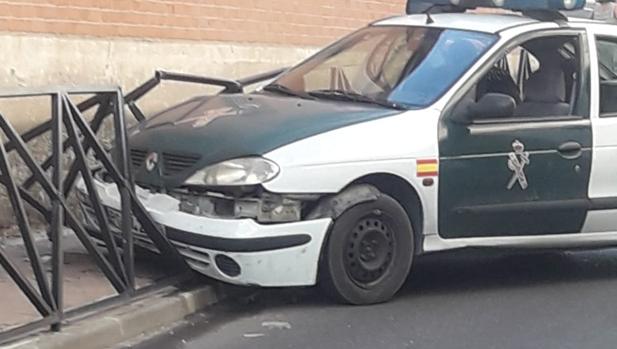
(369, 251)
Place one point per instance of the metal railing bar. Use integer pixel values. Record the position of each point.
(122, 160)
(163, 285)
(57, 219)
(90, 246)
(46, 126)
(136, 94)
(24, 285)
(81, 312)
(47, 91)
(156, 235)
(24, 330)
(254, 79)
(231, 86)
(137, 113)
(82, 140)
(24, 227)
(101, 215)
(72, 221)
(80, 232)
(34, 203)
(96, 123)
(142, 90)
(138, 210)
(24, 153)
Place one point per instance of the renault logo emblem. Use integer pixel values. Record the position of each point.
(152, 161)
(517, 160)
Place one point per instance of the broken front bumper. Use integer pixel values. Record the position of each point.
(238, 251)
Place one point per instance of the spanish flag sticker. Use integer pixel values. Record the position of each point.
(427, 168)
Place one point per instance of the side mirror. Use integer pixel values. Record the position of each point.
(490, 106)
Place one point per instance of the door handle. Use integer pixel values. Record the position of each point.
(570, 150)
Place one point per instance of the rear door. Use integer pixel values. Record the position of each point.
(526, 174)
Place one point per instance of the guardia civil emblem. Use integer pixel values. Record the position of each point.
(517, 160)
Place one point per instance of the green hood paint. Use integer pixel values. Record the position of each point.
(224, 127)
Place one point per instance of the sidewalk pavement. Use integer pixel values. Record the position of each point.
(83, 282)
(127, 322)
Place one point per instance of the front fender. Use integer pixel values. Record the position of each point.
(327, 163)
(334, 206)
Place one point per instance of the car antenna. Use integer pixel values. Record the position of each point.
(429, 19)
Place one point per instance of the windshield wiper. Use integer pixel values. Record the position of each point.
(282, 89)
(341, 95)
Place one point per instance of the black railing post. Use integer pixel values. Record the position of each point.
(57, 220)
(81, 138)
(122, 163)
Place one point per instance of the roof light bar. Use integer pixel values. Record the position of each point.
(514, 5)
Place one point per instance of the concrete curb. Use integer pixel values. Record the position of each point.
(126, 322)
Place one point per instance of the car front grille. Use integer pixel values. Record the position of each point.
(138, 156)
(177, 163)
(172, 163)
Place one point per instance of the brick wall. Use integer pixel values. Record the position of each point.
(297, 22)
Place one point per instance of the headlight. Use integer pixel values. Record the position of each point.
(244, 171)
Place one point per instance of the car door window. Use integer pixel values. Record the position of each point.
(607, 64)
(542, 76)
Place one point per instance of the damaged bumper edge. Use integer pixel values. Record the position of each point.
(237, 251)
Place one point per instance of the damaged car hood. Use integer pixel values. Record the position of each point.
(206, 130)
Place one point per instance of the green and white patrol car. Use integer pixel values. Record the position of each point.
(419, 133)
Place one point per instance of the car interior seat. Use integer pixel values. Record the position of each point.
(545, 93)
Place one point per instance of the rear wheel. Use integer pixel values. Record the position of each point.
(369, 252)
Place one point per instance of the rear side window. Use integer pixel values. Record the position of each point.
(607, 64)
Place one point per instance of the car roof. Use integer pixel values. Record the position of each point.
(489, 23)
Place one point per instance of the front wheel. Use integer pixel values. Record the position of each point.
(369, 252)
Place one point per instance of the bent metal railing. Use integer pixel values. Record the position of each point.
(71, 131)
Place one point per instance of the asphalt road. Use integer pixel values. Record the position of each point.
(470, 299)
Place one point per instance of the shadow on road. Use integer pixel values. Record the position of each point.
(476, 270)
(484, 269)
(460, 277)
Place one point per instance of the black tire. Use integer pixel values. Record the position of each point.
(369, 253)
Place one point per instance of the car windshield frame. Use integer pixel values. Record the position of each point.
(439, 54)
